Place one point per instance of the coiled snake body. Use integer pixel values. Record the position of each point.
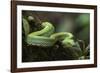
(46, 36)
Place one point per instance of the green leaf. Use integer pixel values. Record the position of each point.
(26, 26)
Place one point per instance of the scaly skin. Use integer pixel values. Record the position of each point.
(47, 37)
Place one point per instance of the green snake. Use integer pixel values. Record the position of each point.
(46, 36)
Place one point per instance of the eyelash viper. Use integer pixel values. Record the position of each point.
(46, 36)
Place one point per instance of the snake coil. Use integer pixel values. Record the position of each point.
(46, 36)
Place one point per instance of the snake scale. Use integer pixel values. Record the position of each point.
(46, 36)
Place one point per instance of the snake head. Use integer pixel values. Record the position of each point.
(68, 43)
